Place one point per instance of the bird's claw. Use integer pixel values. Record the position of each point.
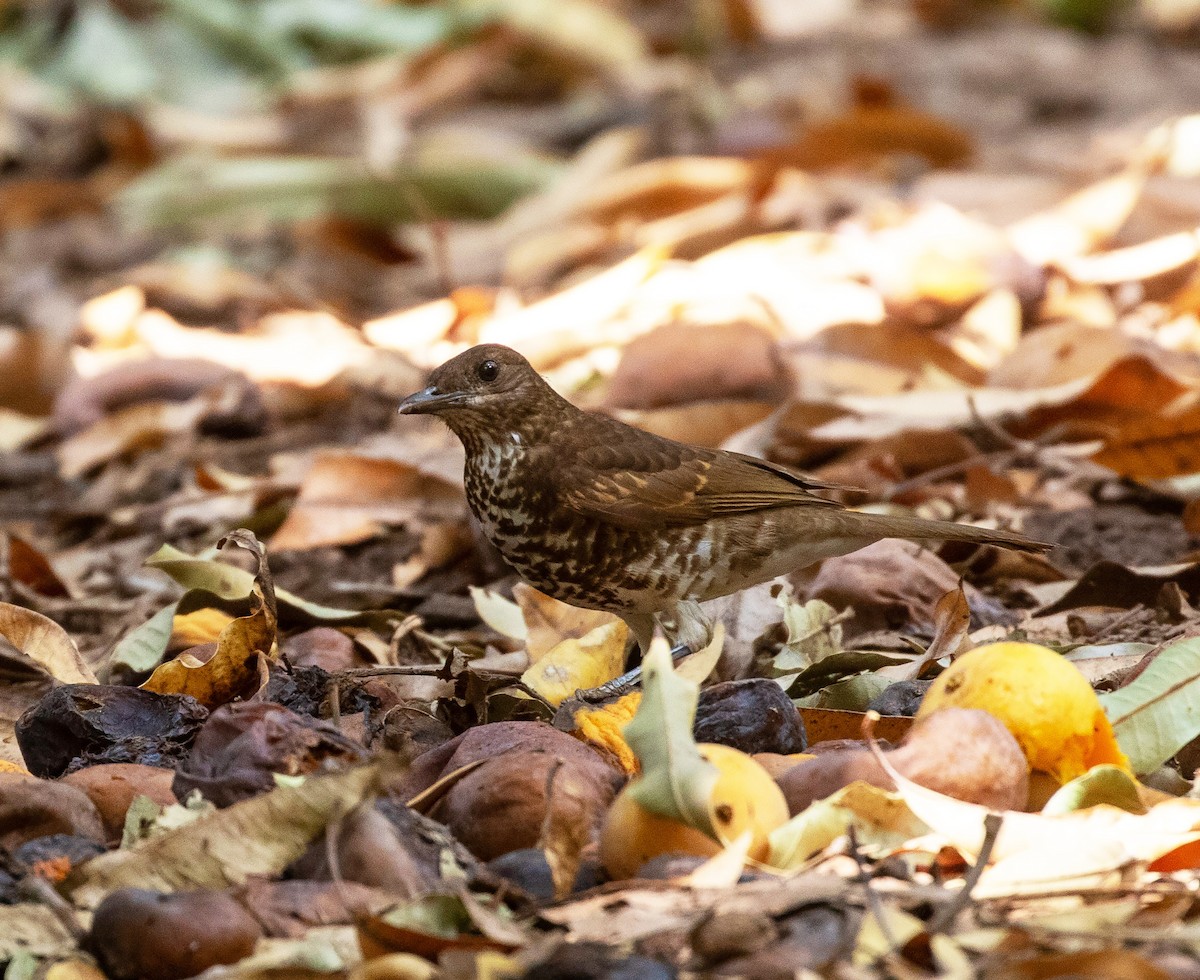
(629, 681)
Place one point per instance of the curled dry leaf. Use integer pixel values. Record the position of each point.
(238, 667)
(44, 644)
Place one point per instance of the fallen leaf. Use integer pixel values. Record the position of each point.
(573, 664)
(347, 498)
(44, 644)
(548, 621)
(259, 836)
(238, 667)
(137, 427)
(881, 820)
(1080, 223)
(676, 781)
(1157, 714)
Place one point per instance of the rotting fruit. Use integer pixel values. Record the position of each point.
(744, 798)
(1043, 699)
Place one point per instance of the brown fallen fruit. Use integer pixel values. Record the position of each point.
(964, 753)
(113, 786)
(501, 806)
(143, 935)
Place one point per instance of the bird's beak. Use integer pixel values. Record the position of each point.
(428, 400)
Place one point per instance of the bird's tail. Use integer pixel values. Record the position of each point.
(919, 529)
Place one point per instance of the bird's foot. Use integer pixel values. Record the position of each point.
(629, 681)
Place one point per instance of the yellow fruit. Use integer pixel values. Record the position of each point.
(1046, 703)
(744, 797)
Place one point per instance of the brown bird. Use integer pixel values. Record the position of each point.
(605, 516)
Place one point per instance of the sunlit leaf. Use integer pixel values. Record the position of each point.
(1159, 712)
(676, 782)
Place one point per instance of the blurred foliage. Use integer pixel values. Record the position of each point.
(212, 54)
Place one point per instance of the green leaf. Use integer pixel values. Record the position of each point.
(1159, 713)
(433, 915)
(852, 694)
(187, 190)
(676, 781)
(1100, 784)
(839, 666)
(142, 648)
(229, 583)
(106, 56)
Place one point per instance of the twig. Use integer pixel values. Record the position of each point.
(402, 670)
(945, 915)
(873, 900)
(40, 889)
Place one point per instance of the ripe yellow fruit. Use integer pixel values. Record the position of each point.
(744, 797)
(1046, 703)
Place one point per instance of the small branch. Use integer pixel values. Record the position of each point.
(991, 827)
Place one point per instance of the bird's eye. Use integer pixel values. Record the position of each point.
(487, 370)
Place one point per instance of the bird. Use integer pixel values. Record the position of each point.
(603, 515)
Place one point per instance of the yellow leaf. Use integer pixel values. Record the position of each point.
(579, 664)
(548, 621)
(202, 626)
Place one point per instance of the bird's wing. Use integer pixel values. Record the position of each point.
(642, 482)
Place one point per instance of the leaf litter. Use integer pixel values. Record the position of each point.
(221, 268)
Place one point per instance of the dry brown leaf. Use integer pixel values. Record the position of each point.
(129, 430)
(1156, 446)
(31, 568)
(44, 644)
(700, 423)
(869, 133)
(951, 623)
(666, 186)
(1083, 222)
(1058, 353)
(347, 497)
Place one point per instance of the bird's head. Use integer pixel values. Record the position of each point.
(486, 388)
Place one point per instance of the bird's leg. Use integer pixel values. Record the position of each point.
(687, 625)
(620, 686)
(641, 628)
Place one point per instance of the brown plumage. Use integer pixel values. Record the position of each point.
(602, 515)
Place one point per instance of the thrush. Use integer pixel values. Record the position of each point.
(605, 516)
